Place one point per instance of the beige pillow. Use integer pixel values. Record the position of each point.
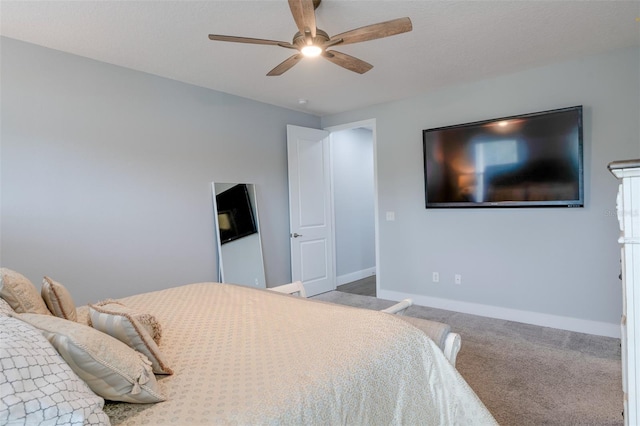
(20, 293)
(115, 320)
(58, 299)
(82, 314)
(111, 369)
(148, 321)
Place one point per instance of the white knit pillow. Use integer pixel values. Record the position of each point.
(37, 386)
(5, 308)
(117, 321)
(111, 369)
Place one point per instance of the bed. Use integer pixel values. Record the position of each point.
(241, 355)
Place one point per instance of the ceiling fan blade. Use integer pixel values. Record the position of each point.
(285, 65)
(347, 61)
(305, 16)
(372, 32)
(249, 40)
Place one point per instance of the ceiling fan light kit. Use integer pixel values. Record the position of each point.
(311, 41)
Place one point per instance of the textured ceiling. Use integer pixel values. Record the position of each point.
(451, 42)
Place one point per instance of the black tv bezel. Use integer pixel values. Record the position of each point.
(247, 200)
(510, 204)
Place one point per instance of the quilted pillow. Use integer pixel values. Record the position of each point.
(58, 299)
(111, 369)
(21, 294)
(37, 386)
(5, 309)
(115, 320)
(148, 321)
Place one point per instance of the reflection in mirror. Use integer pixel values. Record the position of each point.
(238, 234)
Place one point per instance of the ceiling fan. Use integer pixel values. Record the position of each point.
(312, 41)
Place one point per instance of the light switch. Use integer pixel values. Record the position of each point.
(391, 216)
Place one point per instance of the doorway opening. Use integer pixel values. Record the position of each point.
(354, 206)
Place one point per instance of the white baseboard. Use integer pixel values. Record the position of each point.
(545, 320)
(355, 276)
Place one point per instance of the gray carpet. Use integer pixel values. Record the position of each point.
(528, 375)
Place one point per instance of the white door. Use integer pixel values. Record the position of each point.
(310, 212)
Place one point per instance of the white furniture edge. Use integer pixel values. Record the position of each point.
(452, 345)
(293, 288)
(628, 212)
(399, 308)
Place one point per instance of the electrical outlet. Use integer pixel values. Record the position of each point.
(435, 277)
(458, 279)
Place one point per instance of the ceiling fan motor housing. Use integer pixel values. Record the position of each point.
(299, 39)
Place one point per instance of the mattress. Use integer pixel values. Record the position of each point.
(242, 355)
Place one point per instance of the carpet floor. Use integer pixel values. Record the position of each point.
(525, 374)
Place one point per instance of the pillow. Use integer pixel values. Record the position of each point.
(148, 321)
(5, 309)
(115, 320)
(22, 296)
(58, 299)
(111, 369)
(82, 314)
(37, 386)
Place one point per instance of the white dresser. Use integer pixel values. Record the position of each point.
(628, 208)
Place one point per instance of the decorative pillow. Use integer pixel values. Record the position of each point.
(82, 314)
(148, 321)
(37, 386)
(111, 369)
(5, 309)
(21, 294)
(58, 299)
(115, 320)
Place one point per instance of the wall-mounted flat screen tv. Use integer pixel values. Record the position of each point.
(529, 160)
(235, 214)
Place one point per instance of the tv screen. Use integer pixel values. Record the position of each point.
(235, 214)
(529, 160)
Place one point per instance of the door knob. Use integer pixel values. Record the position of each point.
(296, 235)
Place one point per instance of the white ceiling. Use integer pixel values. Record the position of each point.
(451, 42)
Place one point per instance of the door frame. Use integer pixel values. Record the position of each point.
(369, 124)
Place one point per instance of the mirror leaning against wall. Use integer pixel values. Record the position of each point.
(235, 212)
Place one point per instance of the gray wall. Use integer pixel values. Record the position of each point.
(353, 196)
(556, 262)
(106, 173)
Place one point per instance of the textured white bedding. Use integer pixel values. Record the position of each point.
(248, 356)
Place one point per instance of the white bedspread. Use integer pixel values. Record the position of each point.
(248, 356)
